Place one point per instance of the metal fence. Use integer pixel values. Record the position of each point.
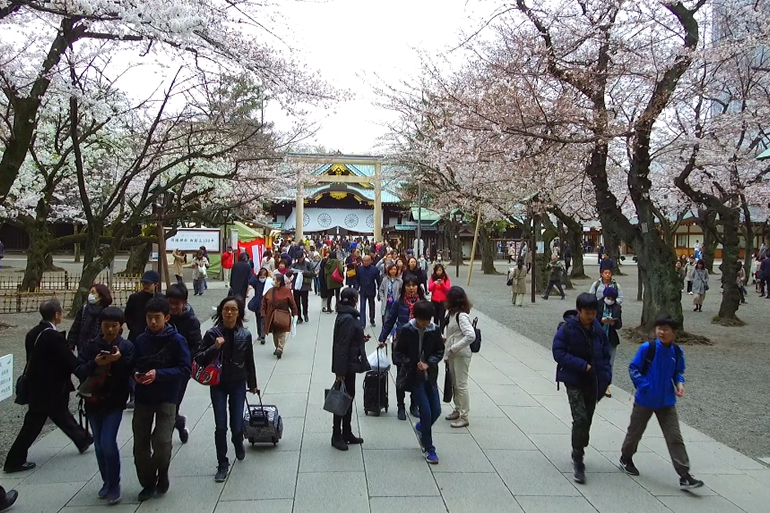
(61, 286)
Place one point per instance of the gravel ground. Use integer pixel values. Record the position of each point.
(726, 383)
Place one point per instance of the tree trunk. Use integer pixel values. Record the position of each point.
(573, 237)
(487, 251)
(730, 262)
(707, 221)
(639, 284)
(77, 245)
(138, 257)
(93, 263)
(748, 235)
(612, 248)
(39, 238)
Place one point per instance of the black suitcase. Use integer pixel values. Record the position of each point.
(262, 423)
(375, 392)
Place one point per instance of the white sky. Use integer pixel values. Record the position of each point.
(353, 42)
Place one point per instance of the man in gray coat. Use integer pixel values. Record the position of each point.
(305, 272)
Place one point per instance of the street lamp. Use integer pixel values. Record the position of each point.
(163, 203)
(458, 218)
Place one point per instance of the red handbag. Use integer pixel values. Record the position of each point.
(336, 276)
(210, 374)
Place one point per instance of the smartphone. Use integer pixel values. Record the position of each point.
(104, 351)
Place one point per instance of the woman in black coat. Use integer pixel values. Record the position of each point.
(229, 341)
(86, 326)
(348, 359)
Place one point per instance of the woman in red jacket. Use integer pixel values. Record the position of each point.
(438, 285)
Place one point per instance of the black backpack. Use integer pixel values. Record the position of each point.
(476, 344)
(650, 356)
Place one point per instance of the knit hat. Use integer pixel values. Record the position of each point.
(611, 292)
(151, 277)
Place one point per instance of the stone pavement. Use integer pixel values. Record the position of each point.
(514, 457)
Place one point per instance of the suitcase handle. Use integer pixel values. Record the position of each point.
(261, 408)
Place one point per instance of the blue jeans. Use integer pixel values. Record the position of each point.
(425, 396)
(232, 394)
(105, 425)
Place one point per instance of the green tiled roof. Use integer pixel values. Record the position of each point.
(425, 215)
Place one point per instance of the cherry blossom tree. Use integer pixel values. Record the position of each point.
(215, 36)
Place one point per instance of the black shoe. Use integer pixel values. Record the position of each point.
(374, 324)
(27, 465)
(307, 319)
(262, 341)
(280, 353)
(221, 475)
(10, 498)
(299, 320)
(401, 413)
(544, 297)
(147, 493)
(89, 443)
(240, 450)
(163, 483)
(275, 353)
(181, 427)
(352, 439)
(627, 465)
(414, 411)
(338, 443)
(688, 482)
(580, 471)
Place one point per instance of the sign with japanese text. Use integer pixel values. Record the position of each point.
(6, 376)
(191, 239)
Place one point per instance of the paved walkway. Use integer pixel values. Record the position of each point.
(514, 457)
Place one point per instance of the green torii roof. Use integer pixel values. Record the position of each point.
(764, 155)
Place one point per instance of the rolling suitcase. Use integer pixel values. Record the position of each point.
(376, 391)
(262, 423)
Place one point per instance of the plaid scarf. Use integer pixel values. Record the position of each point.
(410, 300)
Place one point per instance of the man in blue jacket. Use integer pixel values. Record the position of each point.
(582, 353)
(657, 371)
(161, 366)
(369, 284)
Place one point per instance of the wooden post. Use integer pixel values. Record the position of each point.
(473, 248)
(533, 252)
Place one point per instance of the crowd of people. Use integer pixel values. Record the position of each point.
(425, 319)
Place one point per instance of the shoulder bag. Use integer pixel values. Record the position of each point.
(22, 384)
(337, 277)
(211, 374)
(281, 318)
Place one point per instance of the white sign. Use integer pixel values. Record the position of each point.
(328, 219)
(191, 239)
(6, 376)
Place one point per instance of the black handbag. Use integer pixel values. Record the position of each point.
(22, 383)
(447, 385)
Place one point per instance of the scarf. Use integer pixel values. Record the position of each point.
(410, 301)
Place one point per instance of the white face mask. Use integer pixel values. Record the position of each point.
(262, 280)
(92, 299)
(609, 301)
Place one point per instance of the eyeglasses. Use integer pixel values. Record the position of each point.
(230, 310)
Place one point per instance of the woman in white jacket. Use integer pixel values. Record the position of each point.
(459, 336)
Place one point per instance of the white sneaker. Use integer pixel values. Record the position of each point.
(690, 293)
(460, 423)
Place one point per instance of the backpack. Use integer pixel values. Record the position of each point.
(650, 356)
(476, 344)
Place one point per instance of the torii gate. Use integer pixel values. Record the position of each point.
(365, 160)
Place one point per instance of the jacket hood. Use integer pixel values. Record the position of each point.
(571, 316)
(413, 324)
(186, 314)
(169, 331)
(347, 309)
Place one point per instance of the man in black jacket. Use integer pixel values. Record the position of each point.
(50, 365)
(239, 277)
(137, 301)
(184, 320)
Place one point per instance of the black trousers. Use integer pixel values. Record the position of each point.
(342, 424)
(300, 297)
(551, 285)
(57, 409)
(440, 309)
(329, 300)
(177, 423)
